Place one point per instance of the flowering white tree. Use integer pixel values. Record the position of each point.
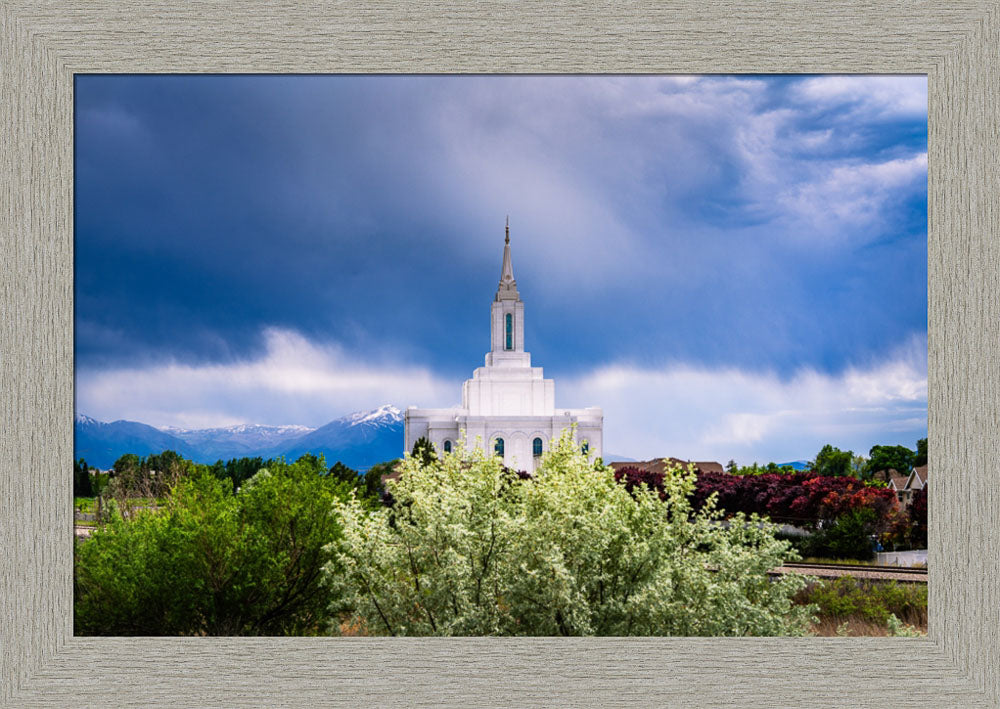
(471, 548)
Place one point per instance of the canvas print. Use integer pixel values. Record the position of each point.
(500, 355)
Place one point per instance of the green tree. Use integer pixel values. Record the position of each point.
(214, 562)
(882, 458)
(126, 463)
(833, 461)
(424, 450)
(239, 470)
(471, 548)
(373, 477)
(850, 536)
(341, 472)
(921, 456)
(81, 479)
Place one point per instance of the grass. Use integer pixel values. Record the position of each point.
(856, 627)
(84, 504)
(854, 607)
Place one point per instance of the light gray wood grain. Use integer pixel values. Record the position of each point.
(44, 43)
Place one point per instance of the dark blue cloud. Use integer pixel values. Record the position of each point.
(653, 221)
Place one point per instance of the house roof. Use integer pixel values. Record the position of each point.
(918, 478)
(897, 481)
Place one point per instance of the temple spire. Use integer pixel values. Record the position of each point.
(508, 286)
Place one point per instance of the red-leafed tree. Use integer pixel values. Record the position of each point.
(804, 499)
(917, 510)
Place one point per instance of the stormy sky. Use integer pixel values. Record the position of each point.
(733, 267)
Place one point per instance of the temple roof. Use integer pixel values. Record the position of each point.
(507, 290)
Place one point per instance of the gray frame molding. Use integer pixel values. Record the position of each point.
(45, 43)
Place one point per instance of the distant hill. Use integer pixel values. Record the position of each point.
(615, 458)
(358, 440)
(101, 444)
(797, 464)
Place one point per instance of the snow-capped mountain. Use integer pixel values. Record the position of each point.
(241, 440)
(359, 440)
(385, 415)
(101, 444)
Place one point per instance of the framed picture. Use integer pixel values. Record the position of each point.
(43, 664)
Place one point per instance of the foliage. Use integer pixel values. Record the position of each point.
(882, 458)
(850, 536)
(803, 499)
(341, 472)
(897, 530)
(921, 457)
(99, 483)
(81, 480)
(898, 629)
(373, 485)
(473, 548)
(917, 510)
(833, 462)
(875, 601)
(213, 562)
(238, 470)
(771, 468)
(136, 480)
(424, 450)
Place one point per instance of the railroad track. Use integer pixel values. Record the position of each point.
(861, 567)
(876, 573)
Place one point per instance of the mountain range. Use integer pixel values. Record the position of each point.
(358, 440)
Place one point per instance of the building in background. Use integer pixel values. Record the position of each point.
(508, 405)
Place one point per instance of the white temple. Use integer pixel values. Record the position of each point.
(507, 404)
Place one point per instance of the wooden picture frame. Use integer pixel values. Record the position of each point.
(42, 45)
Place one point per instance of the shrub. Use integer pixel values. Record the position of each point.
(213, 562)
(917, 510)
(850, 537)
(874, 601)
(803, 499)
(472, 548)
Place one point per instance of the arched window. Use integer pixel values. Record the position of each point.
(498, 447)
(585, 448)
(447, 446)
(509, 326)
(536, 447)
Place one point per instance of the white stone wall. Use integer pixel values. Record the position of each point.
(498, 334)
(509, 391)
(518, 432)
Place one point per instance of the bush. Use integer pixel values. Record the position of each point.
(472, 548)
(82, 486)
(849, 537)
(213, 562)
(917, 511)
(874, 601)
(803, 499)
